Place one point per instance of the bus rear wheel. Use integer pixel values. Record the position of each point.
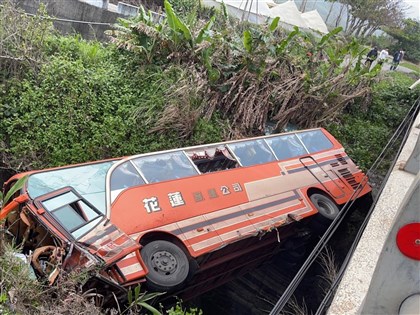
(325, 206)
(167, 263)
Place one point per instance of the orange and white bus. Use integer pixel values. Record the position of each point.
(151, 217)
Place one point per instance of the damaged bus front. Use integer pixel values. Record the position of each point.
(65, 228)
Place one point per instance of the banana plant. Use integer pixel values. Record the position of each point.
(180, 29)
(285, 42)
(4, 198)
(143, 34)
(326, 38)
(150, 36)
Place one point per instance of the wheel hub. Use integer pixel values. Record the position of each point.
(165, 261)
(325, 207)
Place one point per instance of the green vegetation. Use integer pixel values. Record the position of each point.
(195, 77)
(178, 309)
(365, 130)
(16, 187)
(93, 109)
(407, 38)
(166, 84)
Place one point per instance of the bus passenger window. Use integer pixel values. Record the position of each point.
(124, 176)
(315, 141)
(213, 159)
(286, 147)
(252, 152)
(165, 166)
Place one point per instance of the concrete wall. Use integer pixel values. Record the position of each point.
(76, 10)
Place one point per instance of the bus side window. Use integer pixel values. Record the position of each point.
(125, 176)
(315, 141)
(286, 147)
(213, 159)
(252, 152)
(166, 166)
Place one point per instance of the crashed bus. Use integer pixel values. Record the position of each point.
(155, 217)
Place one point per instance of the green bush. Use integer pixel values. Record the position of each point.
(86, 103)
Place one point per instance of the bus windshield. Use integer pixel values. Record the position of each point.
(87, 180)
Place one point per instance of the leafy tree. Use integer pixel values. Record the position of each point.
(21, 41)
(367, 16)
(408, 37)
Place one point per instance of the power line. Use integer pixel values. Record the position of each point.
(74, 21)
(408, 121)
(78, 21)
(68, 20)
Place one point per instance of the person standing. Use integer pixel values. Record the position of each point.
(371, 56)
(383, 55)
(398, 56)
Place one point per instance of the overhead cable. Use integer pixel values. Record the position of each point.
(407, 122)
(337, 221)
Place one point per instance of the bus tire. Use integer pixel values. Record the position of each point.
(327, 208)
(167, 263)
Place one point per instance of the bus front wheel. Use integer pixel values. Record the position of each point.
(325, 206)
(167, 263)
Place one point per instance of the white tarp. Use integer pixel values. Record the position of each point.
(259, 11)
(249, 10)
(289, 14)
(252, 6)
(314, 21)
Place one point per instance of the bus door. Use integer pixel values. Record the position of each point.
(323, 177)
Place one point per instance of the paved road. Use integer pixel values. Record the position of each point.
(386, 67)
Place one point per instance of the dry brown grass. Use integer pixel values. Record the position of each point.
(253, 99)
(293, 307)
(185, 104)
(22, 294)
(329, 267)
